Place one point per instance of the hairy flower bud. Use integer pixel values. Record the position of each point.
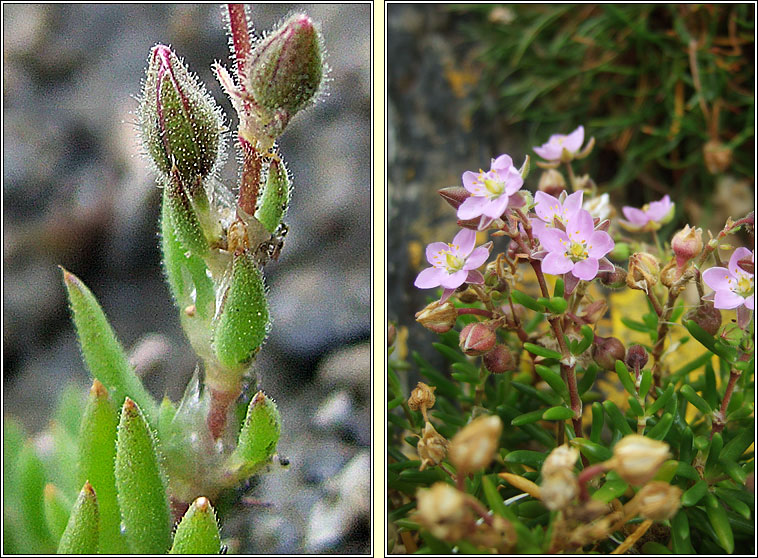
(179, 122)
(613, 279)
(473, 448)
(636, 357)
(706, 316)
(442, 510)
(437, 317)
(454, 195)
(606, 351)
(477, 338)
(499, 360)
(637, 459)
(431, 448)
(718, 157)
(657, 500)
(422, 396)
(552, 182)
(643, 271)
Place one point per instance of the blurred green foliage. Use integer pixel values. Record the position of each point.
(653, 83)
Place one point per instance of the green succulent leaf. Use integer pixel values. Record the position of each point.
(197, 532)
(276, 196)
(141, 484)
(31, 483)
(82, 531)
(103, 354)
(57, 510)
(525, 300)
(554, 380)
(626, 378)
(259, 435)
(557, 413)
(698, 402)
(720, 522)
(542, 351)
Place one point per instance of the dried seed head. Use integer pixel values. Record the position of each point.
(422, 397)
(606, 351)
(595, 310)
(477, 338)
(706, 316)
(643, 271)
(718, 157)
(671, 273)
(562, 457)
(442, 510)
(475, 445)
(613, 279)
(637, 459)
(431, 448)
(636, 357)
(552, 182)
(558, 489)
(657, 500)
(499, 360)
(437, 317)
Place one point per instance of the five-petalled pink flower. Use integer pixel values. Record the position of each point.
(733, 286)
(650, 217)
(549, 209)
(490, 191)
(562, 148)
(578, 249)
(453, 264)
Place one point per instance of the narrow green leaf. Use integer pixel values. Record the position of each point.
(31, 484)
(667, 470)
(141, 484)
(659, 431)
(646, 380)
(554, 380)
(612, 488)
(625, 378)
(526, 457)
(588, 378)
(244, 321)
(738, 445)
(695, 493)
(548, 397)
(68, 411)
(698, 402)
(57, 510)
(663, 398)
(717, 442)
(710, 393)
(680, 534)
(259, 435)
(557, 413)
(733, 470)
(597, 422)
(542, 351)
(528, 418)
(61, 468)
(275, 197)
(652, 547)
(103, 354)
(685, 445)
(617, 419)
(709, 342)
(559, 287)
(592, 450)
(526, 300)
(556, 305)
(81, 534)
(720, 522)
(197, 532)
(97, 452)
(635, 406)
(687, 471)
(453, 355)
(587, 338)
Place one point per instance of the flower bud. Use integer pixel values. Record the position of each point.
(687, 244)
(606, 351)
(718, 157)
(558, 489)
(284, 72)
(437, 317)
(499, 360)
(657, 500)
(473, 448)
(747, 264)
(643, 271)
(552, 182)
(637, 459)
(275, 198)
(636, 357)
(454, 195)
(431, 448)
(179, 122)
(706, 316)
(477, 338)
(442, 510)
(562, 457)
(422, 396)
(613, 279)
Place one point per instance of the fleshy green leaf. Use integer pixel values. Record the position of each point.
(695, 493)
(558, 413)
(525, 300)
(594, 451)
(197, 532)
(276, 196)
(31, 484)
(259, 435)
(698, 402)
(720, 522)
(659, 431)
(57, 510)
(554, 380)
(663, 398)
(141, 485)
(626, 378)
(103, 354)
(617, 419)
(82, 531)
(528, 418)
(97, 452)
(68, 412)
(542, 351)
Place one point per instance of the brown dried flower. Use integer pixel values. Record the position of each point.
(474, 446)
(432, 447)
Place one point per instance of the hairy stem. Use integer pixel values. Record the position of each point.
(240, 36)
(250, 177)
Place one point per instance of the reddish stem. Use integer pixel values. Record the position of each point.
(240, 36)
(219, 411)
(720, 419)
(476, 311)
(585, 476)
(250, 178)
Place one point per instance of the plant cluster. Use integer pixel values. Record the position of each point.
(520, 448)
(125, 473)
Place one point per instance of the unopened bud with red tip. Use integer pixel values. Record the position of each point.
(436, 317)
(636, 357)
(687, 244)
(606, 351)
(552, 182)
(706, 316)
(179, 121)
(499, 360)
(477, 338)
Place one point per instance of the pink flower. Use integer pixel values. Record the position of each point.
(549, 209)
(650, 217)
(578, 249)
(453, 264)
(490, 191)
(553, 150)
(733, 286)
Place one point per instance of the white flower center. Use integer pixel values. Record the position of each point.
(494, 187)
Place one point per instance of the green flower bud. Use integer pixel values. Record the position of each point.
(179, 122)
(183, 217)
(276, 196)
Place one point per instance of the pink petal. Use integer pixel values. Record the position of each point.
(513, 181)
(429, 278)
(468, 179)
(454, 280)
(556, 264)
(484, 222)
(585, 269)
(477, 258)
(635, 216)
(726, 300)
(657, 210)
(465, 240)
(580, 226)
(717, 278)
(573, 202)
(604, 264)
(474, 277)
(574, 140)
(750, 302)
(538, 228)
(599, 244)
(547, 205)
(432, 250)
(548, 151)
(554, 240)
(495, 208)
(471, 207)
(446, 294)
(502, 163)
(737, 255)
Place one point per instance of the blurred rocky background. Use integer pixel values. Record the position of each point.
(77, 193)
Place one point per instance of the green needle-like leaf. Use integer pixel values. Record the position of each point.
(141, 485)
(31, 487)
(103, 354)
(554, 380)
(81, 534)
(626, 378)
(97, 452)
(720, 522)
(259, 435)
(57, 510)
(695, 493)
(276, 196)
(542, 351)
(557, 413)
(197, 533)
(698, 402)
